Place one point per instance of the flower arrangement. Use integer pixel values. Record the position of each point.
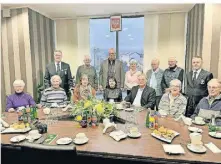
(91, 105)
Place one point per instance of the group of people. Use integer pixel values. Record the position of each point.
(160, 89)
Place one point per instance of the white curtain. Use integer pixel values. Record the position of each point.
(83, 37)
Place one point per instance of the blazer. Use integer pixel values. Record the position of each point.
(119, 73)
(199, 87)
(65, 74)
(115, 94)
(159, 76)
(148, 97)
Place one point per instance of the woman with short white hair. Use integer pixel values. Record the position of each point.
(19, 98)
(54, 94)
(131, 76)
(173, 103)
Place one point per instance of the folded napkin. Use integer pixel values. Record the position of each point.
(213, 148)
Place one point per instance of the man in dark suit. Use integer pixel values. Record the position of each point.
(142, 95)
(196, 84)
(59, 68)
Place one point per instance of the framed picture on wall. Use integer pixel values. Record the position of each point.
(115, 23)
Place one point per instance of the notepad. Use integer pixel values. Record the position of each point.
(213, 147)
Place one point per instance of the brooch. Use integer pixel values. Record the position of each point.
(202, 81)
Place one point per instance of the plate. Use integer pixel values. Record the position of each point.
(195, 129)
(136, 135)
(199, 123)
(33, 136)
(81, 141)
(215, 134)
(18, 138)
(196, 148)
(12, 130)
(64, 141)
(173, 149)
(129, 109)
(166, 139)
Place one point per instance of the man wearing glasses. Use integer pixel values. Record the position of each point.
(196, 84)
(111, 68)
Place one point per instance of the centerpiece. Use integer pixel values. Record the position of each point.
(92, 111)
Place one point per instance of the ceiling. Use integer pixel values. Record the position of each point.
(65, 11)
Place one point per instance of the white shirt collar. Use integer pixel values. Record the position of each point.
(198, 71)
(155, 70)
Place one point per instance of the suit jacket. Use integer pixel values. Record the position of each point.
(148, 97)
(119, 73)
(199, 87)
(159, 76)
(65, 74)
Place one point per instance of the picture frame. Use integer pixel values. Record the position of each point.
(115, 23)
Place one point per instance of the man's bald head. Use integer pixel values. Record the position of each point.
(172, 61)
(112, 54)
(87, 60)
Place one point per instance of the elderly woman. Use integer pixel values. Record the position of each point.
(131, 76)
(173, 103)
(83, 90)
(19, 98)
(112, 93)
(54, 94)
(210, 105)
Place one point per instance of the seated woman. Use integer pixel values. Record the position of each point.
(19, 98)
(83, 90)
(210, 105)
(173, 103)
(112, 92)
(54, 94)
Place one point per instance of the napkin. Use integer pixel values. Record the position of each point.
(173, 149)
(213, 148)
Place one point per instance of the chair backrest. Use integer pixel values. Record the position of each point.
(37, 153)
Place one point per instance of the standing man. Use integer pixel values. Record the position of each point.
(89, 70)
(111, 67)
(59, 68)
(173, 72)
(196, 84)
(154, 78)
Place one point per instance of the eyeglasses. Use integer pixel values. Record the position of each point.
(209, 87)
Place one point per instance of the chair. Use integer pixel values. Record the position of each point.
(46, 154)
(10, 153)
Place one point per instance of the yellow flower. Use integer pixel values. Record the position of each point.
(152, 119)
(87, 104)
(79, 118)
(99, 108)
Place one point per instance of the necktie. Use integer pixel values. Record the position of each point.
(58, 67)
(194, 77)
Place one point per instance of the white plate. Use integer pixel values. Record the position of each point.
(81, 141)
(137, 135)
(215, 134)
(196, 149)
(195, 129)
(64, 141)
(12, 130)
(129, 109)
(18, 138)
(33, 136)
(165, 139)
(198, 123)
(173, 149)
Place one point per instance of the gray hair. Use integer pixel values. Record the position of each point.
(57, 51)
(133, 61)
(215, 81)
(56, 77)
(175, 83)
(19, 83)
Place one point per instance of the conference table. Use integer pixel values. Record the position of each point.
(145, 149)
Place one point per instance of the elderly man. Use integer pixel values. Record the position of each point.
(154, 78)
(54, 94)
(173, 103)
(210, 105)
(196, 84)
(59, 68)
(173, 72)
(19, 98)
(88, 70)
(142, 95)
(111, 68)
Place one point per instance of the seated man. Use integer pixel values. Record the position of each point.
(142, 95)
(210, 105)
(173, 103)
(54, 94)
(19, 98)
